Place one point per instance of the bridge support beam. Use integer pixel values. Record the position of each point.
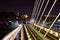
(34, 8)
(43, 11)
(39, 11)
(38, 5)
(52, 24)
(49, 11)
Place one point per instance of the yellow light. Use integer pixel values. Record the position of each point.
(26, 16)
(56, 34)
(16, 17)
(28, 36)
(29, 39)
(27, 33)
(51, 32)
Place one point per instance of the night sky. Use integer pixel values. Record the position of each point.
(25, 6)
(55, 10)
(16, 5)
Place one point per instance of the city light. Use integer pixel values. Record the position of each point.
(25, 16)
(59, 20)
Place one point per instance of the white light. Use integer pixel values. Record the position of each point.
(51, 31)
(20, 25)
(29, 39)
(32, 21)
(45, 29)
(59, 20)
(59, 39)
(10, 21)
(56, 34)
(28, 36)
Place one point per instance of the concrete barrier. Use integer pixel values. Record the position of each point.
(12, 35)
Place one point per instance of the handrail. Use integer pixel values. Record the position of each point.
(51, 31)
(12, 35)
